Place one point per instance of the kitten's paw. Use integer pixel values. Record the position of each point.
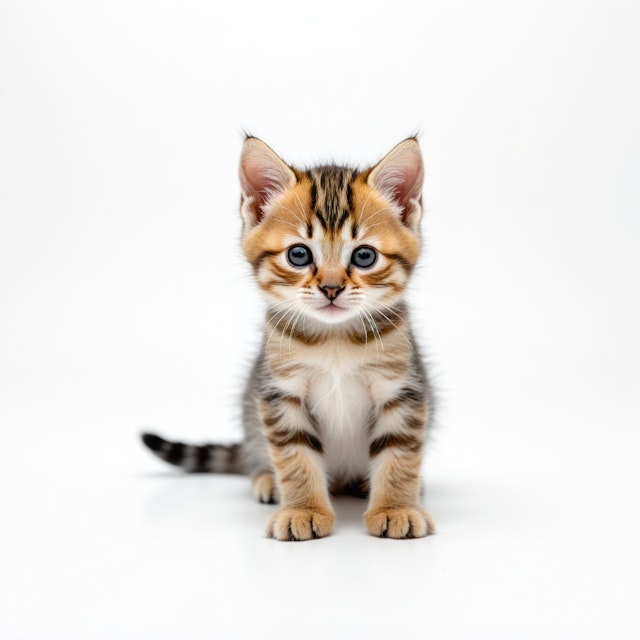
(300, 524)
(264, 488)
(399, 522)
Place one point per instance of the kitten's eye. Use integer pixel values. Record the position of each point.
(299, 255)
(364, 257)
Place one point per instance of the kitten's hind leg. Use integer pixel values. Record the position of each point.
(264, 487)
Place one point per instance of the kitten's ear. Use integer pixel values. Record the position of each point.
(263, 175)
(399, 176)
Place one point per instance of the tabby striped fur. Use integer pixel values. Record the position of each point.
(338, 397)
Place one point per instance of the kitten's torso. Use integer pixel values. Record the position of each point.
(345, 380)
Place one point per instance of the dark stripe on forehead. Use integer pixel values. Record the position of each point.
(331, 195)
(350, 192)
(323, 220)
(314, 195)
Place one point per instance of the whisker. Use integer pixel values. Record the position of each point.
(366, 337)
(294, 325)
(377, 224)
(397, 328)
(281, 316)
(302, 207)
(366, 200)
(286, 326)
(293, 213)
(389, 309)
(375, 213)
(374, 329)
(285, 221)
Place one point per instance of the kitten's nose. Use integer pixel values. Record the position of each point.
(331, 291)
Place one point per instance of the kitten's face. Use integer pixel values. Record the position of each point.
(331, 245)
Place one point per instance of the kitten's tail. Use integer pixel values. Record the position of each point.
(214, 458)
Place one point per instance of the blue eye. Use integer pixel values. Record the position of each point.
(364, 257)
(299, 255)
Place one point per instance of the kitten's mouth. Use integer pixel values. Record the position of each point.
(331, 313)
(332, 307)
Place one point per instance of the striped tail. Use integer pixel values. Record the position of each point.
(213, 458)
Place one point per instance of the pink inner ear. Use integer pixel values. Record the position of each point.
(261, 187)
(399, 176)
(406, 185)
(263, 175)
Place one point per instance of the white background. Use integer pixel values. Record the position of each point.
(125, 302)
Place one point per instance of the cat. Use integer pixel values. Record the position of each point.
(338, 398)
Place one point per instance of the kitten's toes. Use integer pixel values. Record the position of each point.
(399, 522)
(300, 524)
(264, 487)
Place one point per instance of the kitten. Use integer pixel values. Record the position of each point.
(338, 397)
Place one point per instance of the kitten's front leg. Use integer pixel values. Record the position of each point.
(296, 456)
(396, 455)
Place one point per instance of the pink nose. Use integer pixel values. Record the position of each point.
(331, 292)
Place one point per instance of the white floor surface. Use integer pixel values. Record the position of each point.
(541, 543)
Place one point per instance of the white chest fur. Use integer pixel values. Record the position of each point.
(340, 398)
(344, 384)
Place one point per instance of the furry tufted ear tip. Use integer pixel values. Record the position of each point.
(399, 177)
(263, 176)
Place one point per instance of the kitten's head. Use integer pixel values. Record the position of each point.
(331, 244)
